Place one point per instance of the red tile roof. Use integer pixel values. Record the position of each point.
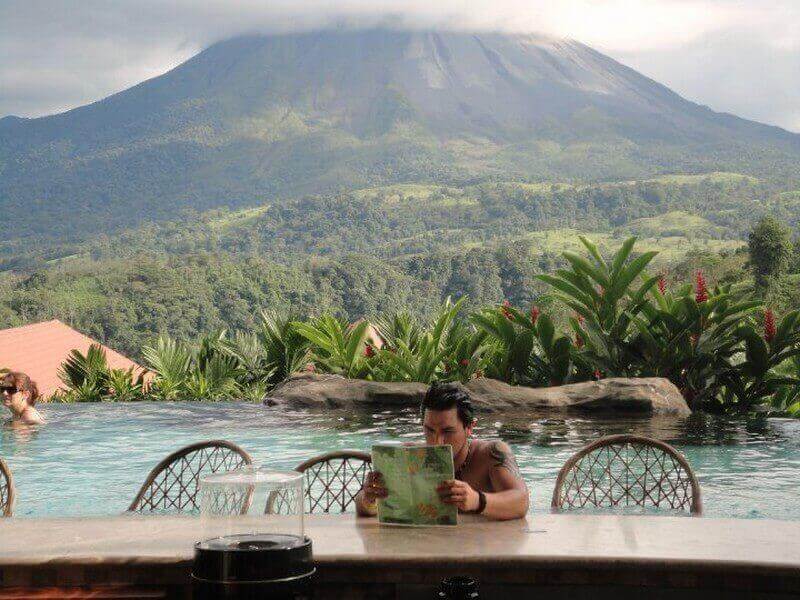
(39, 349)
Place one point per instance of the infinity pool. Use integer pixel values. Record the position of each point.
(91, 459)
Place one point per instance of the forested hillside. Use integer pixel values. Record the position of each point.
(378, 250)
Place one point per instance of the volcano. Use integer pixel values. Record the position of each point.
(267, 117)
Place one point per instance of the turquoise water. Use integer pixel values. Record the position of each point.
(91, 459)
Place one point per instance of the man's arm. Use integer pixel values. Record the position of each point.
(366, 499)
(511, 499)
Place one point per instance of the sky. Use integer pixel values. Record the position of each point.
(737, 56)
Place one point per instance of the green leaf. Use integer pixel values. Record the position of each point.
(756, 352)
(631, 272)
(582, 265)
(546, 330)
(592, 248)
(622, 255)
(566, 287)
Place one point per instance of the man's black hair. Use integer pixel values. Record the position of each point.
(444, 396)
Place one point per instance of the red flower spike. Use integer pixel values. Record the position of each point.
(369, 351)
(770, 330)
(464, 362)
(597, 374)
(534, 314)
(701, 291)
(504, 309)
(581, 319)
(662, 284)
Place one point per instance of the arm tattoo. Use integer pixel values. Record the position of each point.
(504, 459)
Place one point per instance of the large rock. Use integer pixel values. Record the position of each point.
(335, 391)
(652, 395)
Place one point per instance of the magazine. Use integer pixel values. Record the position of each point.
(412, 473)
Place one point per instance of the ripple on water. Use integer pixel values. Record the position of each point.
(91, 459)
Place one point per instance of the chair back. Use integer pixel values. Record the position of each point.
(332, 482)
(173, 485)
(627, 470)
(6, 490)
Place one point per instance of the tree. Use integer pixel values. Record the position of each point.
(770, 247)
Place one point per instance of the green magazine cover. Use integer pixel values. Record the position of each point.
(411, 473)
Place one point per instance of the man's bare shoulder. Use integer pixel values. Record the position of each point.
(498, 454)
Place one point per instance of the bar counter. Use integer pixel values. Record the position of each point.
(555, 556)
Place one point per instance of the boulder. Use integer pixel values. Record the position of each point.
(334, 391)
(651, 395)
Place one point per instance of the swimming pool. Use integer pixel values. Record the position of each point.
(90, 459)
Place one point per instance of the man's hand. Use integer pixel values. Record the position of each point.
(459, 493)
(374, 488)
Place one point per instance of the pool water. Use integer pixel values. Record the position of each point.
(91, 459)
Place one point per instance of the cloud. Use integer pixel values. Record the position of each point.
(62, 54)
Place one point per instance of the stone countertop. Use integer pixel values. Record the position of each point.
(541, 540)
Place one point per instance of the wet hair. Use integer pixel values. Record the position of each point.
(445, 396)
(21, 383)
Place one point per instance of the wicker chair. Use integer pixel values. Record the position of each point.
(173, 484)
(332, 482)
(6, 490)
(627, 470)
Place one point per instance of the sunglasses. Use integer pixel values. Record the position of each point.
(8, 389)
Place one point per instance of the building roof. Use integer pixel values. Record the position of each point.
(373, 333)
(39, 349)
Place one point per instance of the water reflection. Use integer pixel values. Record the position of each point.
(20, 433)
(546, 430)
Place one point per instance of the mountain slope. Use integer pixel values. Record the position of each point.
(264, 116)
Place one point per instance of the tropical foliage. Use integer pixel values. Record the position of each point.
(722, 348)
(88, 378)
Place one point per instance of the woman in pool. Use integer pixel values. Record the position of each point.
(19, 395)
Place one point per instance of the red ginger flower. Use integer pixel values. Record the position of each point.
(369, 351)
(504, 309)
(770, 330)
(597, 374)
(662, 284)
(464, 362)
(578, 337)
(535, 312)
(701, 291)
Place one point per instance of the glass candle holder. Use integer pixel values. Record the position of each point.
(252, 501)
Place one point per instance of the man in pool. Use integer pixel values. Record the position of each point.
(487, 479)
